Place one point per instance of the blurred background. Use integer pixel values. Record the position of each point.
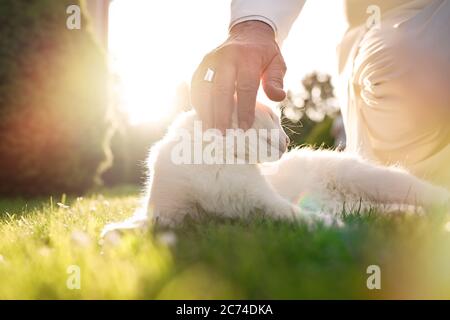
(81, 107)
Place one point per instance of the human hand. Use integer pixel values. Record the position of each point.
(249, 55)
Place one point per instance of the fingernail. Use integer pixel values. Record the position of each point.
(244, 125)
(221, 129)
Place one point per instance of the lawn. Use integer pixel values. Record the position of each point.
(41, 240)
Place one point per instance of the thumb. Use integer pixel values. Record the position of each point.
(272, 79)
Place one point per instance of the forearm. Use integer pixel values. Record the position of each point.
(279, 14)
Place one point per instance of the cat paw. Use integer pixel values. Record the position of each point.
(322, 219)
(116, 229)
(311, 219)
(314, 218)
(330, 220)
(283, 211)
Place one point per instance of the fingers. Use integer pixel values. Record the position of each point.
(272, 79)
(214, 100)
(223, 96)
(201, 95)
(238, 65)
(201, 99)
(248, 79)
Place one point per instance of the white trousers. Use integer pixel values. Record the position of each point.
(395, 81)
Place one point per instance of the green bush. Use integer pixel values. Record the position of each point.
(53, 100)
(308, 116)
(320, 136)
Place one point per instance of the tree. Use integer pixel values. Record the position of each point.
(307, 117)
(53, 100)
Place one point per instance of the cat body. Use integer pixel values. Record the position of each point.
(319, 180)
(290, 185)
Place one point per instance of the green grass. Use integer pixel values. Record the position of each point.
(215, 258)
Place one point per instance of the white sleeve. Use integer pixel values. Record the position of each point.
(279, 14)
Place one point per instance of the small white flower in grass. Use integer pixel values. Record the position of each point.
(80, 238)
(167, 238)
(447, 226)
(45, 251)
(111, 238)
(62, 205)
(2, 259)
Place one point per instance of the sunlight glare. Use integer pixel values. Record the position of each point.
(155, 46)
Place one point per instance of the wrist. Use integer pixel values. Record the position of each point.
(253, 27)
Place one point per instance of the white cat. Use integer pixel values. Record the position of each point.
(301, 181)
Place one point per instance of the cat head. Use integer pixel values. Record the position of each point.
(265, 141)
(268, 130)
